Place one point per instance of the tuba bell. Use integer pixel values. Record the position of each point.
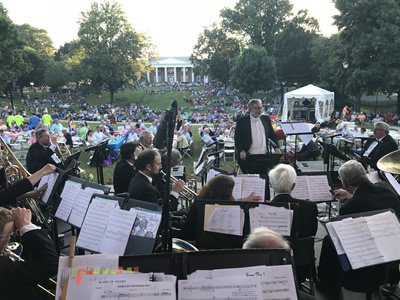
(390, 163)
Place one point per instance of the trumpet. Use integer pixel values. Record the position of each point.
(187, 194)
(10, 250)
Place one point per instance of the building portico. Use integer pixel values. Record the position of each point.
(173, 69)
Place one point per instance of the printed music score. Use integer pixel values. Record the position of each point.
(245, 185)
(312, 187)
(278, 219)
(367, 241)
(228, 219)
(50, 179)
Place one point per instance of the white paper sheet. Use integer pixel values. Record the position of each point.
(393, 182)
(68, 197)
(118, 231)
(224, 219)
(278, 219)
(95, 224)
(50, 179)
(313, 188)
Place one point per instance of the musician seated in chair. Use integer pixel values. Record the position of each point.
(378, 147)
(24, 187)
(141, 186)
(219, 187)
(19, 279)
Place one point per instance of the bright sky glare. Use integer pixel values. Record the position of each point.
(172, 25)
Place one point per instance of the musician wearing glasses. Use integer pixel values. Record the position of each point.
(42, 152)
(19, 278)
(142, 185)
(381, 145)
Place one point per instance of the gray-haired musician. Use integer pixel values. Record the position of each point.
(42, 152)
(141, 186)
(18, 279)
(381, 145)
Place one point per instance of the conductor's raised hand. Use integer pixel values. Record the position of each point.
(178, 186)
(22, 217)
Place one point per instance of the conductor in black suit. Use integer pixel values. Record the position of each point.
(18, 279)
(381, 145)
(125, 168)
(141, 186)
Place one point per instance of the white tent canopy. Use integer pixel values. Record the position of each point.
(321, 99)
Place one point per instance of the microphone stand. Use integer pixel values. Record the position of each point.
(170, 116)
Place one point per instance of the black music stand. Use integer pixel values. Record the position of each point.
(98, 158)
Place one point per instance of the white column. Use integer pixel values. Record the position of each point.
(184, 74)
(148, 76)
(165, 74)
(156, 71)
(192, 75)
(174, 74)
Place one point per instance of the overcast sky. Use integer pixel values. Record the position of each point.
(173, 25)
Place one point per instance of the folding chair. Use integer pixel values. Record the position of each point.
(229, 149)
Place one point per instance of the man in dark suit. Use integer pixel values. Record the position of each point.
(283, 179)
(125, 167)
(42, 152)
(253, 134)
(381, 145)
(141, 186)
(305, 224)
(358, 195)
(18, 279)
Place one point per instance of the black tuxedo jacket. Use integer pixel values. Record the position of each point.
(140, 188)
(18, 279)
(369, 197)
(37, 157)
(305, 217)
(243, 138)
(123, 173)
(387, 145)
(9, 195)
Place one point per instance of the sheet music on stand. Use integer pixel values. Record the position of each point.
(364, 240)
(51, 180)
(279, 219)
(245, 185)
(300, 129)
(312, 187)
(227, 219)
(75, 199)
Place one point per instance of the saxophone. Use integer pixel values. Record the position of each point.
(16, 172)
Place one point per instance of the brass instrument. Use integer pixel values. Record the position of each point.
(187, 194)
(390, 163)
(16, 172)
(11, 249)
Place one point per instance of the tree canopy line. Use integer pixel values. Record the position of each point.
(258, 45)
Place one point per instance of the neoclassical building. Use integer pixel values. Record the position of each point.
(173, 69)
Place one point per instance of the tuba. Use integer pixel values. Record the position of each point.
(16, 172)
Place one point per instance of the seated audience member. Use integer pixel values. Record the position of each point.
(18, 279)
(219, 187)
(146, 140)
(181, 141)
(5, 137)
(358, 195)
(125, 167)
(307, 152)
(316, 129)
(206, 138)
(68, 138)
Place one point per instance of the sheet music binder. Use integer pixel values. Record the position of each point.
(329, 178)
(213, 240)
(343, 259)
(84, 183)
(136, 244)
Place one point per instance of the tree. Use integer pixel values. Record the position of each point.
(370, 32)
(258, 21)
(115, 54)
(10, 49)
(214, 52)
(293, 50)
(253, 71)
